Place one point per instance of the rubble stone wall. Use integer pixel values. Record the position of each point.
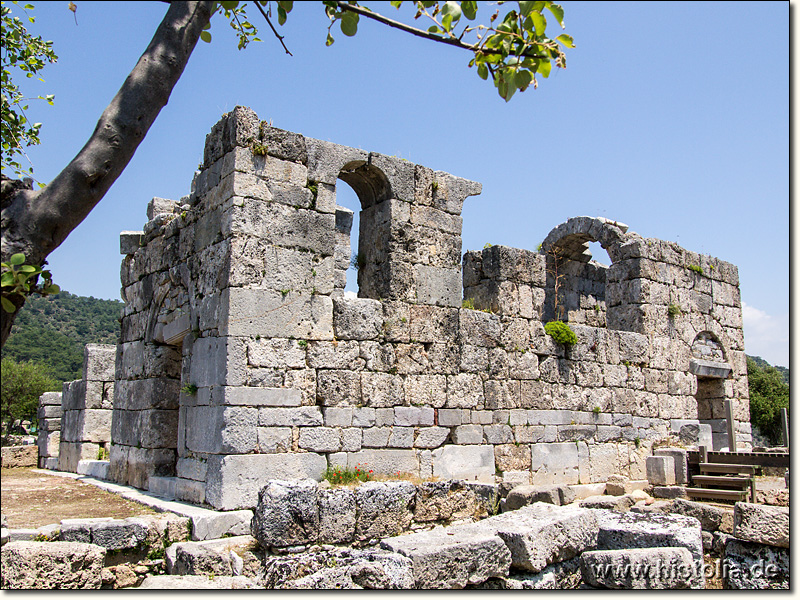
(86, 407)
(241, 360)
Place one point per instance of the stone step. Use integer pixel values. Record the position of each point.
(723, 468)
(708, 494)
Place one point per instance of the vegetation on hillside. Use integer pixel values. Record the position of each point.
(53, 331)
(768, 395)
(763, 364)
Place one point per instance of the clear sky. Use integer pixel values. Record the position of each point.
(671, 117)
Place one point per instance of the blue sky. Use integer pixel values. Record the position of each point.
(671, 117)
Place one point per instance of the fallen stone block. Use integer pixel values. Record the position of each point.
(528, 494)
(622, 531)
(450, 559)
(368, 570)
(712, 518)
(210, 525)
(51, 565)
(679, 456)
(287, 514)
(564, 575)
(197, 582)
(541, 534)
(761, 524)
(751, 566)
(446, 501)
(225, 557)
(660, 470)
(337, 515)
(384, 508)
(669, 492)
(118, 534)
(615, 485)
(618, 503)
(639, 569)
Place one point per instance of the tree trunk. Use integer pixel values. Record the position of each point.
(37, 222)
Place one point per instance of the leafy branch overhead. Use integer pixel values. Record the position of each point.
(512, 48)
(28, 54)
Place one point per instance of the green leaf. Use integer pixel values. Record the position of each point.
(396, 3)
(7, 279)
(17, 259)
(470, 9)
(205, 36)
(28, 269)
(281, 16)
(229, 5)
(525, 8)
(8, 306)
(566, 40)
(483, 71)
(349, 24)
(52, 289)
(558, 13)
(286, 5)
(522, 80)
(539, 22)
(329, 41)
(544, 68)
(451, 9)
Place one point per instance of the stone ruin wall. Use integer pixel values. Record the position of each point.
(86, 410)
(240, 359)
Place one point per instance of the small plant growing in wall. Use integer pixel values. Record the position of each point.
(302, 343)
(468, 303)
(561, 333)
(259, 149)
(596, 410)
(674, 310)
(696, 269)
(189, 389)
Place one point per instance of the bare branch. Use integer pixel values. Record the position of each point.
(271, 26)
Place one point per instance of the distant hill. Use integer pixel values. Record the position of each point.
(53, 331)
(762, 363)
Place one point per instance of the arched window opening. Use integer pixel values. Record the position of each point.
(363, 228)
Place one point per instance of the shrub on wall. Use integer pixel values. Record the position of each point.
(561, 333)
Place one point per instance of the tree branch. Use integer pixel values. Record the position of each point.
(271, 26)
(36, 223)
(450, 41)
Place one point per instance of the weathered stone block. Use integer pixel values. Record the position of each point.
(464, 462)
(357, 318)
(337, 515)
(286, 514)
(384, 508)
(234, 481)
(752, 566)
(712, 518)
(660, 470)
(761, 524)
(51, 565)
(442, 561)
(638, 569)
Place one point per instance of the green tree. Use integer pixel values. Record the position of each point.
(768, 395)
(510, 45)
(21, 386)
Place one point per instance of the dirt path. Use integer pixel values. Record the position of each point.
(30, 500)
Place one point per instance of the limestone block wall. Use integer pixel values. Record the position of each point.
(87, 409)
(241, 360)
(49, 437)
